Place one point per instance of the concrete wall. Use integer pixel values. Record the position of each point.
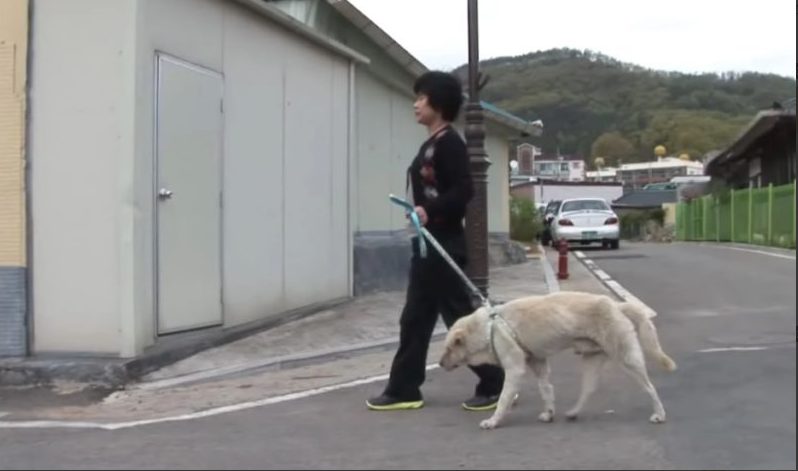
(388, 138)
(497, 147)
(81, 122)
(13, 263)
(285, 224)
(286, 237)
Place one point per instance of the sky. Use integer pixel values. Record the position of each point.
(689, 36)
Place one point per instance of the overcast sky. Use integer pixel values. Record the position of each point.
(673, 35)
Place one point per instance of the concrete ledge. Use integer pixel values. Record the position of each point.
(382, 259)
(13, 311)
(115, 372)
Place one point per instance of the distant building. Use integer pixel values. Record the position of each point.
(763, 154)
(609, 174)
(638, 175)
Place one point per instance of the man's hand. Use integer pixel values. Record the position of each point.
(422, 215)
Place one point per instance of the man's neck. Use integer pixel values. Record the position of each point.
(436, 127)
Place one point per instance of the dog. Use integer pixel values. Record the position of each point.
(523, 333)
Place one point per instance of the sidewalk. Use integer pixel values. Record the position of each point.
(354, 340)
(367, 323)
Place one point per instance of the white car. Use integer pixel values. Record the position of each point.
(586, 221)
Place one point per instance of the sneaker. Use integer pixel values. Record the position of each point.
(483, 403)
(385, 403)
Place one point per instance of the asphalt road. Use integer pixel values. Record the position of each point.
(727, 409)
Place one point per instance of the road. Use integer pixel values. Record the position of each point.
(727, 317)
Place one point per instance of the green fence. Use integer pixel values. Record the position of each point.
(763, 216)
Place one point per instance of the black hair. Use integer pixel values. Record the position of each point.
(444, 93)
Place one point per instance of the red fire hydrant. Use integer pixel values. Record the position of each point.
(562, 273)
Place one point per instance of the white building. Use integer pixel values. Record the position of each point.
(607, 174)
(637, 175)
(208, 164)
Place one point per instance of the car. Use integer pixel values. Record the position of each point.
(586, 221)
(548, 215)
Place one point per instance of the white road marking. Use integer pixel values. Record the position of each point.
(733, 349)
(760, 252)
(579, 254)
(42, 424)
(602, 274)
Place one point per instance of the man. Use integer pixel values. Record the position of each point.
(441, 185)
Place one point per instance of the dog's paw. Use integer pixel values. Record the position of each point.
(488, 424)
(546, 416)
(571, 416)
(657, 418)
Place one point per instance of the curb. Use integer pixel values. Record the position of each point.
(548, 271)
(278, 363)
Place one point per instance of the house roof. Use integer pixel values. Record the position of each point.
(415, 68)
(308, 32)
(646, 199)
(762, 124)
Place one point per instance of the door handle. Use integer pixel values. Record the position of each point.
(164, 194)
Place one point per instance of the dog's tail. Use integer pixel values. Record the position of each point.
(641, 315)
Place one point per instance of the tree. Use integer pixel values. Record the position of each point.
(612, 146)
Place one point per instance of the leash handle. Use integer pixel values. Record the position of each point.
(411, 212)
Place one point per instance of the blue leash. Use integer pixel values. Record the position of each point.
(411, 212)
(424, 236)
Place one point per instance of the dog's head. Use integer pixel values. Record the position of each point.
(464, 345)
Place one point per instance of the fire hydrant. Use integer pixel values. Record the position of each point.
(562, 273)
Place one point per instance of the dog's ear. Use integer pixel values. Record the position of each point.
(458, 337)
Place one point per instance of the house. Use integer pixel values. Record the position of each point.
(533, 163)
(184, 166)
(606, 174)
(763, 154)
(638, 175)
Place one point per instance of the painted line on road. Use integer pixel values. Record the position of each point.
(615, 287)
(602, 274)
(759, 252)
(44, 424)
(733, 349)
(579, 254)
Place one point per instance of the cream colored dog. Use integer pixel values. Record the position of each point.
(524, 332)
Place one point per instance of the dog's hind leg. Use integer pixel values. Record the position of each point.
(635, 365)
(591, 370)
(542, 370)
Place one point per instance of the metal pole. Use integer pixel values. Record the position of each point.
(770, 214)
(732, 215)
(477, 213)
(750, 214)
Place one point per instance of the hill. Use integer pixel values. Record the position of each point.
(594, 105)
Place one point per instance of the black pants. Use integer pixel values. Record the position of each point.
(434, 288)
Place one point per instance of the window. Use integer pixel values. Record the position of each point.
(585, 205)
(564, 167)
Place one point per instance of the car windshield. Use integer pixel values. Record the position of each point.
(552, 206)
(585, 205)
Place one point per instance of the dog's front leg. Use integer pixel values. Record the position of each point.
(513, 375)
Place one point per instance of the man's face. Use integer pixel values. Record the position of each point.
(424, 113)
